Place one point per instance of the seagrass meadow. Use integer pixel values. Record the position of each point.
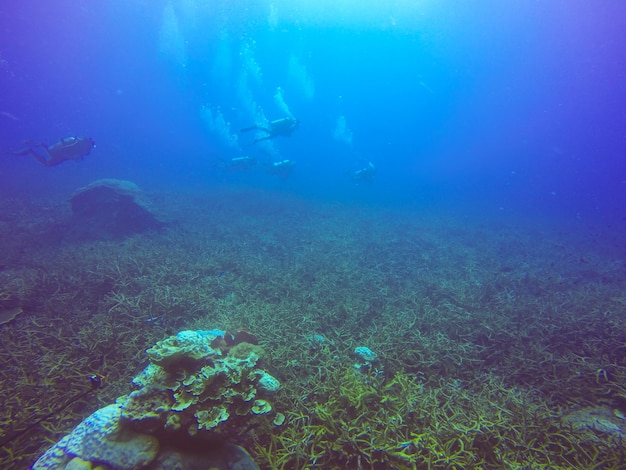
(501, 344)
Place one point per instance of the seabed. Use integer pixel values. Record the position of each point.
(499, 344)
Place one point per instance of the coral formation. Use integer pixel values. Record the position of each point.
(196, 382)
(185, 394)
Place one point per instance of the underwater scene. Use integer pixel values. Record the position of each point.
(312, 234)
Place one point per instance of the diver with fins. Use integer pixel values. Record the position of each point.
(279, 127)
(283, 168)
(365, 174)
(68, 148)
(239, 163)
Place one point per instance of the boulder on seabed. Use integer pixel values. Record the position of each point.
(111, 208)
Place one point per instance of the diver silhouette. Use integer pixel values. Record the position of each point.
(68, 148)
(279, 127)
(365, 174)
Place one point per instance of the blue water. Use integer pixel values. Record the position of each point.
(501, 107)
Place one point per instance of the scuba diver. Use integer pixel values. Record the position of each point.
(68, 148)
(283, 168)
(284, 127)
(364, 174)
(239, 163)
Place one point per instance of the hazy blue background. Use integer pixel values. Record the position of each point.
(513, 107)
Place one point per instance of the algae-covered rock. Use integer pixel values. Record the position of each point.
(268, 382)
(101, 438)
(54, 458)
(111, 208)
(600, 419)
(365, 354)
(367, 358)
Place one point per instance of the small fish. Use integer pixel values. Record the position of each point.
(152, 319)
